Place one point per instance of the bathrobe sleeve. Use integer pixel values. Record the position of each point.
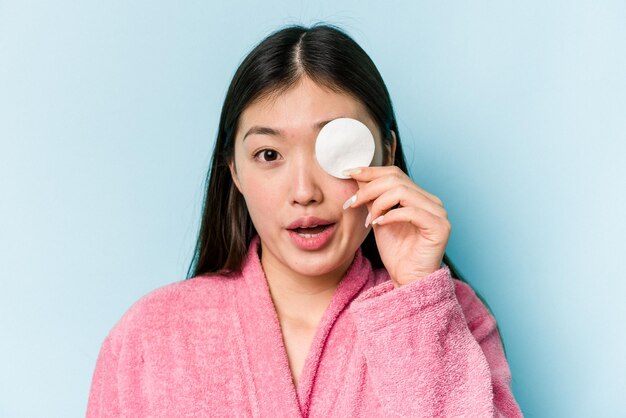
(117, 371)
(103, 399)
(432, 349)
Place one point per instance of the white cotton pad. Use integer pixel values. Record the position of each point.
(342, 144)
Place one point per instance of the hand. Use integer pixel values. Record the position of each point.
(410, 225)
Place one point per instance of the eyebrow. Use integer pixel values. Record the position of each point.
(264, 130)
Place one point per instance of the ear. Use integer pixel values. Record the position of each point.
(233, 174)
(390, 150)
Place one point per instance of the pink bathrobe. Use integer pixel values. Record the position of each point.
(212, 346)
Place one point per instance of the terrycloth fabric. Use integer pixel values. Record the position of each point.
(212, 346)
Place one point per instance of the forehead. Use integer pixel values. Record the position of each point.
(302, 106)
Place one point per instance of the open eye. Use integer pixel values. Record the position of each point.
(267, 155)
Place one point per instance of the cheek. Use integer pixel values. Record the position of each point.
(264, 193)
(259, 192)
(348, 189)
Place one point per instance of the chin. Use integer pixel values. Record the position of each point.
(315, 269)
(336, 255)
(320, 263)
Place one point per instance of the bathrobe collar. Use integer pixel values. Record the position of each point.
(270, 375)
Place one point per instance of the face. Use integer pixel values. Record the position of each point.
(284, 187)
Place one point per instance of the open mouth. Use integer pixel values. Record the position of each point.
(311, 231)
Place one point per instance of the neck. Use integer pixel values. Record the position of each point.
(297, 297)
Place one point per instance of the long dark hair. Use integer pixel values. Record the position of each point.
(329, 57)
(332, 59)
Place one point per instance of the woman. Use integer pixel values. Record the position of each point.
(309, 295)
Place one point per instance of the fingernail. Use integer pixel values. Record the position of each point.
(375, 221)
(349, 202)
(368, 219)
(351, 171)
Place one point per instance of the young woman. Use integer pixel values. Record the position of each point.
(309, 295)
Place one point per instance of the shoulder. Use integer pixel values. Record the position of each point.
(175, 304)
(200, 291)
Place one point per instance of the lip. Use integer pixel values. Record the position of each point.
(314, 243)
(308, 221)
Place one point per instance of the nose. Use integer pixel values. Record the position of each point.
(305, 181)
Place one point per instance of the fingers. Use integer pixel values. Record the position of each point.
(379, 179)
(384, 189)
(405, 197)
(426, 221)
(405, 190)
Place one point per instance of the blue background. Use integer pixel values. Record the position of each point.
(513, 113)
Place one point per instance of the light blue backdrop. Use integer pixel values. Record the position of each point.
(512, 112)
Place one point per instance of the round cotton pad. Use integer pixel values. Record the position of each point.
(342, 144)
